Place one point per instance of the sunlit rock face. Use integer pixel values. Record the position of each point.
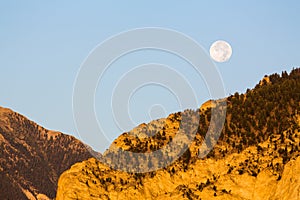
(256, 157)
(204, 179)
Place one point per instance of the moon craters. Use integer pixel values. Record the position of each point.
(220, 51)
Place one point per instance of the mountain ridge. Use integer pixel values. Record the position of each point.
(259, 142)
(32, 157)
(258, 147)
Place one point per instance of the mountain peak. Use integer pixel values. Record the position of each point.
(29, 151)
(258, 148)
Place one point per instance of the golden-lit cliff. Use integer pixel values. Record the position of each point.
(256, 157)
(204, 179)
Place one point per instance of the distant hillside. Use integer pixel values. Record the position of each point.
(256, 156)
(32, 158)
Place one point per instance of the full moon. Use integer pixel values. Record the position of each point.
(220, 51)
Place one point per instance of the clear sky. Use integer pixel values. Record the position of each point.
(43, 44)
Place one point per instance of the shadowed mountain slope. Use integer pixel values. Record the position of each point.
(32, 158)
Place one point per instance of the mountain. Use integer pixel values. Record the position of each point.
(256, 156)
(32, 158)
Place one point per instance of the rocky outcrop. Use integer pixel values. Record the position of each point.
(206, 179)
(256, 156)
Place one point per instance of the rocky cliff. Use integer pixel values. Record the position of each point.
(256, 157)
(205, 179)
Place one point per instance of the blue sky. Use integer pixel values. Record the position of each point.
(43, 44)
